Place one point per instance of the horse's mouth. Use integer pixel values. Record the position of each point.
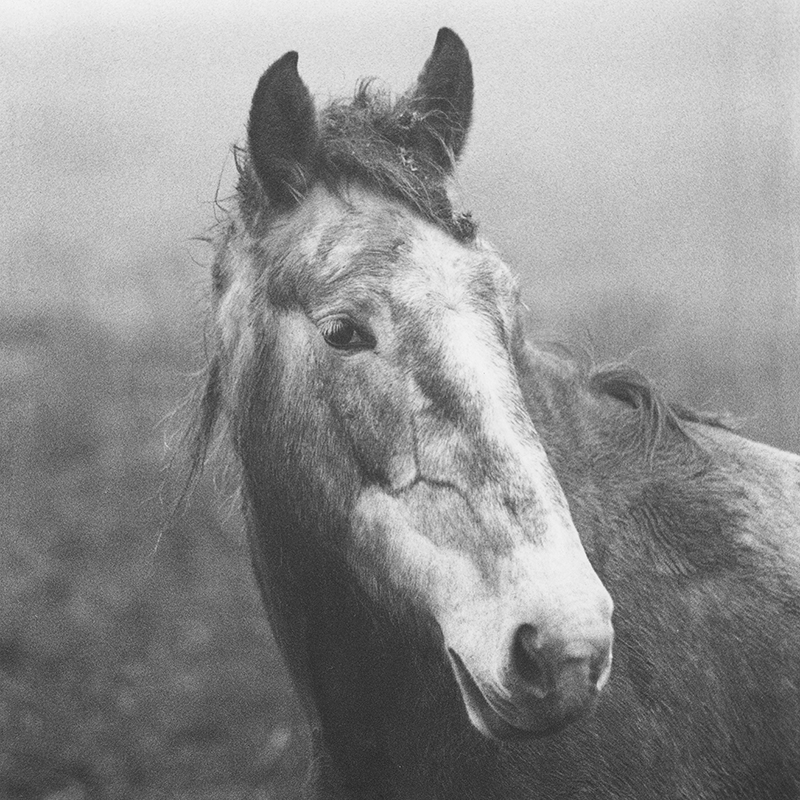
(483, 715)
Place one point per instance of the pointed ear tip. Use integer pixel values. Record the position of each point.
(280, 72)
(286, 64)
(447, 36)
(288, 60)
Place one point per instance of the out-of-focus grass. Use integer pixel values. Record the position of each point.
(126, 669)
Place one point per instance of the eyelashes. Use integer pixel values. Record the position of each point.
(341, 333)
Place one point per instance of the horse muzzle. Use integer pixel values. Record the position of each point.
(543, 690)
(545, 681)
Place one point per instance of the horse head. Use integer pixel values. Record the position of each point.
(372, 343)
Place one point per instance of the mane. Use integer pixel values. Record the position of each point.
(379, 143)
(657, 415)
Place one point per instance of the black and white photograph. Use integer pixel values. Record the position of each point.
(400, 401)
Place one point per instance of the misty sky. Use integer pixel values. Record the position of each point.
(617, 146)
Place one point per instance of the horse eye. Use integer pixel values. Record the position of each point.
(342, 334)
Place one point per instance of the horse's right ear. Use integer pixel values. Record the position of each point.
(282, 132)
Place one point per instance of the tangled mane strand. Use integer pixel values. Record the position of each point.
(380, 144)
(657, 416)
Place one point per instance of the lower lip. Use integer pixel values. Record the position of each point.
(492, 723)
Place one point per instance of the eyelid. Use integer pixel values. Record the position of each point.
(334, 319)
(364, 339)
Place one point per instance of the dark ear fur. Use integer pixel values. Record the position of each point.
(443, 95)
(282, 132)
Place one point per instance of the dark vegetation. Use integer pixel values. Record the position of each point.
(135, 660)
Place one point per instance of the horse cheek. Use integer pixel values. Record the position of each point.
(379, 428)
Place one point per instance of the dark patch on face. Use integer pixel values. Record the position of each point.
(370, 409)
(421, 348)
(426, 360)
(452, 412)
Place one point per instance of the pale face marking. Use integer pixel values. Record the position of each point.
(436, 287)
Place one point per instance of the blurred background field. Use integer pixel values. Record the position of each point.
(636, 162)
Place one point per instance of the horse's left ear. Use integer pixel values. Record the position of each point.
(443, 96)
(282, 132)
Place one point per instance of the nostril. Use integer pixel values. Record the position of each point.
(528, 661)
(545, 666)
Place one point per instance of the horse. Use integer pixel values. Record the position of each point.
(440, 512)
